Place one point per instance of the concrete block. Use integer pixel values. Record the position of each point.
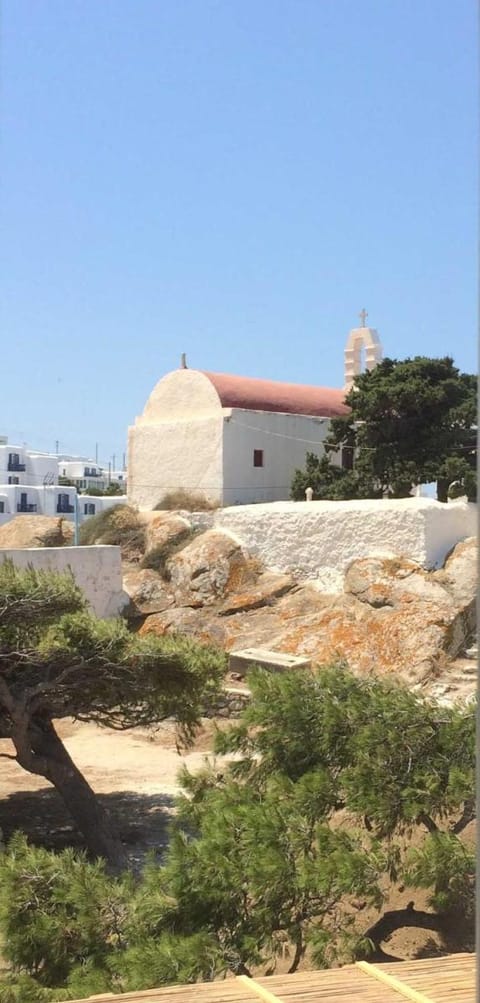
(274, 661)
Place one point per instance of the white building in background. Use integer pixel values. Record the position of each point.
(84, 474)
(29, 485)
(19, 465)
(52, 500)
(235, 439)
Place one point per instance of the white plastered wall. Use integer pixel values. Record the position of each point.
(177, 441)
(97, 570)
(318, 540)
(284, 439)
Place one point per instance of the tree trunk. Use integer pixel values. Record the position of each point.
(299, 950)
(41, 751)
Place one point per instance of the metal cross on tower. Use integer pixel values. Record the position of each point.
(363, 316)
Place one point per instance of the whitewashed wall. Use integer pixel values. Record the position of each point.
(177, 442)
(317, 540)
(97, 570)
(40, 468)
(46, 500)
(184, 439)
(284, 438)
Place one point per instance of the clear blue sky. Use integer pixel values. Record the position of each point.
(231, 178)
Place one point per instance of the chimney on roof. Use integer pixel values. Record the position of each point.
(183, 361)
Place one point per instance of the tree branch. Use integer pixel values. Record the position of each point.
(468, 815)
(424, 819)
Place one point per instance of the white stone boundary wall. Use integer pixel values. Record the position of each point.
(97, 570)
(318, 540)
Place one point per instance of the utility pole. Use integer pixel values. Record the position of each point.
(75, 535)
(57, 443)
(109, 472)
(113, 462)
(96, 452)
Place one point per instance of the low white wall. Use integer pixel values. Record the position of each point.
(318, 540)
(97, 570)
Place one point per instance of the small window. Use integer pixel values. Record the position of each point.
(258, 457)
(13, 480)
(2, 507)
(89, 508)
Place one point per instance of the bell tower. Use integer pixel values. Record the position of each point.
(361, 340)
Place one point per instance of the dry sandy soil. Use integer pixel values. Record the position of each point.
(134, 773)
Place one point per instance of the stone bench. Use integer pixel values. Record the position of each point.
(274, 661)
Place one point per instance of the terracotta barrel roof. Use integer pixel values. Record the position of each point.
(253, 394)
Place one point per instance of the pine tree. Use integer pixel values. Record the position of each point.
(58, 660)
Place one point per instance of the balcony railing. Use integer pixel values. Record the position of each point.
(14, 465)
(65, 508)
(21, 507)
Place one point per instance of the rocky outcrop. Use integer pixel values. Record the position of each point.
(163, 529)
(393, 617)
(261, 592)
(200, 573)
(147, 591)
(35, 531)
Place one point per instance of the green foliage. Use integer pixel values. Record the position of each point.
(268, 854)
(411, 422)
(258, 855)
(329, 482)
(446, 867)
(384, 752)
(170, 958)
(57, 911)
(93, 669)
(114, 488)
(70, 930)
(59, 660)
(261, 870)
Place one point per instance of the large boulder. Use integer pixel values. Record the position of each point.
(147, 591)
(393, 618)
(164, 529)
(459, 575)
(35, 531)
(199, 573)
(392, 581)
(263, 591)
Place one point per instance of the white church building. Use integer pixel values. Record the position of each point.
(235, 439)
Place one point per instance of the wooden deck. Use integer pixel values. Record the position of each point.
(450, 979)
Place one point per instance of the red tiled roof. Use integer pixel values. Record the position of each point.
(253, 394)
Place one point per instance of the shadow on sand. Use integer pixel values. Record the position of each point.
(141, 820)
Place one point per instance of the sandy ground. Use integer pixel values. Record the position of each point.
(135, 773)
